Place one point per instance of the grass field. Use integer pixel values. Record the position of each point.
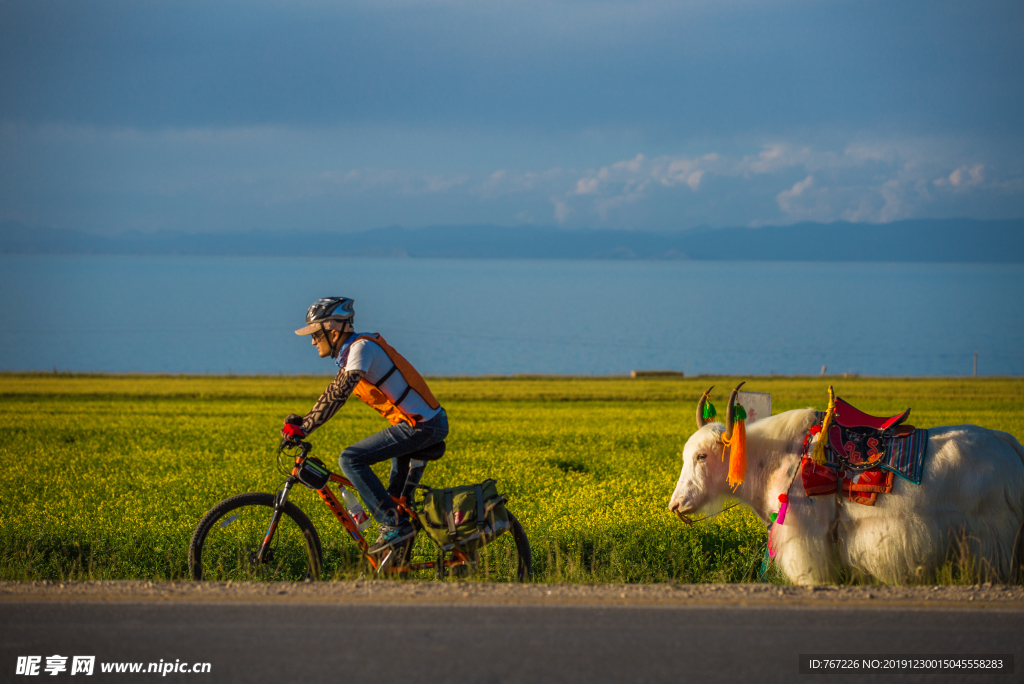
(106, 476)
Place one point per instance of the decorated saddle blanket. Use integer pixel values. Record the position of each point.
(859, 487)
(865, 458)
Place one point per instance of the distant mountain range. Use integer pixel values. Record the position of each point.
(926, 240)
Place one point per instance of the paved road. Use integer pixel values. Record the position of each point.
(395, 642)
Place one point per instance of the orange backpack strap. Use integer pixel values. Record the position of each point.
(371, 394)
(411, 375)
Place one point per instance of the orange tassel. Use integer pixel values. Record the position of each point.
(737, 455)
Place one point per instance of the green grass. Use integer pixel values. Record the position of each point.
(105, 477)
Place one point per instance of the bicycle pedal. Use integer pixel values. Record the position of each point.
(394, 558)
(387, 559)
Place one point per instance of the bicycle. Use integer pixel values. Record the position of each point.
(265, 536)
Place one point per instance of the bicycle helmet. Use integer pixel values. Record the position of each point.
(329, 313)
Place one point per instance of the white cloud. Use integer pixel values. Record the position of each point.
(503, 182)
(683, 170)
(631, 166)
(632, 192)
(562, 210)
(860, 152)
(739, 183)
(862, 181)
(444, 183)
(895, 206)
(963, 177)
(780, 156)
(785, 199)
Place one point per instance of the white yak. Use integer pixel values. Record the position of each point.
(971, 497)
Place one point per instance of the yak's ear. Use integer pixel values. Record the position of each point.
(705, 409)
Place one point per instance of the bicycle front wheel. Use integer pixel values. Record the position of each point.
(228, 538)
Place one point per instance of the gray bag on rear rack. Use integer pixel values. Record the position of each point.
(465, 518)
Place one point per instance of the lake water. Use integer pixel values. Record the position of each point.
(466, 317)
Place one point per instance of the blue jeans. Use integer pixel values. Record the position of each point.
(395, 442)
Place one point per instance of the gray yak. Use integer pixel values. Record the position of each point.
(971, 499)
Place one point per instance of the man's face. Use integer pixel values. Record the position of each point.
(323, 343)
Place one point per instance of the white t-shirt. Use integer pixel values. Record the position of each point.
(368, 357)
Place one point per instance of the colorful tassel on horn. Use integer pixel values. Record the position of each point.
(737, 449)
(819, 447)
(709, 410)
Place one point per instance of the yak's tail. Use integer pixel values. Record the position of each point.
(1013, 442)
(1017, 560)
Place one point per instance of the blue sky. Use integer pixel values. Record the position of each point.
(308, 116)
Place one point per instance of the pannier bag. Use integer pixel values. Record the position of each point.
(466, 517)
(314, 474)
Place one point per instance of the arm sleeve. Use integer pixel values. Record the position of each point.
(332, 399)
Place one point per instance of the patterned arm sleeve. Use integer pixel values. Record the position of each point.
(331, 400)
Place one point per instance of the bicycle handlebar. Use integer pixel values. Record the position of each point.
(291, 443)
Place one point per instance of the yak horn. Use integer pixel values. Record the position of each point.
(700, 408)
(730, 414)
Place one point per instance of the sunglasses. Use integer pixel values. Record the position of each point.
(317, 336)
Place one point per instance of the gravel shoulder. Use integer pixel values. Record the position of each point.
(978, 597)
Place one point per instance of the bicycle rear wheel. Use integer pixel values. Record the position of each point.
(226, 541)
(506, 559)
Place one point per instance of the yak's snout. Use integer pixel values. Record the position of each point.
(680, 509)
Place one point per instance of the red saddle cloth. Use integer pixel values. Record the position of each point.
(859, 487)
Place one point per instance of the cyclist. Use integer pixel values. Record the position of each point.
(379, 376)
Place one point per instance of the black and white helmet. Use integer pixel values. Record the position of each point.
(329, 313)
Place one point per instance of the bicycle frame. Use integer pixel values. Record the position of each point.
(347, 521)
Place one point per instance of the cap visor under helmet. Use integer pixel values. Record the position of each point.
(325, 325)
